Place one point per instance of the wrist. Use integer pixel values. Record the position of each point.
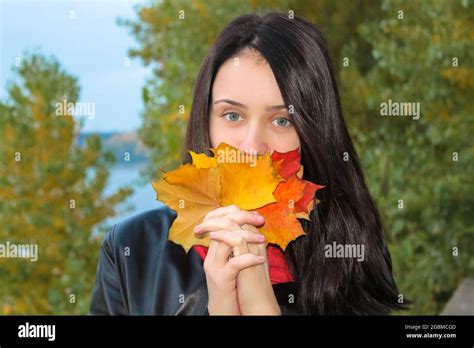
(223, 304)
(268, 305)
(269, 309)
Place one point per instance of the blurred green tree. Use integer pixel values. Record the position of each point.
(51, 193)
(379, 54)
(419, 171)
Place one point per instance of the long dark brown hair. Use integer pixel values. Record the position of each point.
(298, 55)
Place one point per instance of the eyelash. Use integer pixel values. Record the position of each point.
(228, 113)
(289, 124)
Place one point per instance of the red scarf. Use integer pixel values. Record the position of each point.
(279, 270)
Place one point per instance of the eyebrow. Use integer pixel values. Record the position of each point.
(235, 103)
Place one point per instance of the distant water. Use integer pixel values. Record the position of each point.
(142, 199)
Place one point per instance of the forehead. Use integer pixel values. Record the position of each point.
(247, 78)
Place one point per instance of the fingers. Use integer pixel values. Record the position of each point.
(211, 252)
(236, 238)
(231, 221)
(232, 240)
(219, 212)
(229, 228)
(223, 211)
(250, 228)
(214, 224)
(241, 262)
(218, 252)
(223, 242)
(239, 241)
(246, 217)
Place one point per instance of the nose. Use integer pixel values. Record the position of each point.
(254, 142)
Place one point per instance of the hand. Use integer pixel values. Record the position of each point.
(254, 289)
(221, 273)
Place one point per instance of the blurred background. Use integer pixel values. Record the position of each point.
(91, 94)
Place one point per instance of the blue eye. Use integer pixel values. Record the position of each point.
(282, 122)
(233, 118)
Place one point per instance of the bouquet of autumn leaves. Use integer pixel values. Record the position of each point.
(270, 184)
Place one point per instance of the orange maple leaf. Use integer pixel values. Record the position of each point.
(295, 199)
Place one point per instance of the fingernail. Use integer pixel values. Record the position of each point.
(197, 229)
(259, 218)
(255, 212)
(212, 234)
(261, 238)
(261, 259)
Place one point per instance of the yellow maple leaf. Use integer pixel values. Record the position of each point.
(248, 187)
(191, 192)
(200, 160)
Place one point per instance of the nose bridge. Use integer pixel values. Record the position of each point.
(254, 140)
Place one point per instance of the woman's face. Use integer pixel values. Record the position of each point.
(247, 109)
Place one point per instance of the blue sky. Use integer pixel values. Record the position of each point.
(85, 38)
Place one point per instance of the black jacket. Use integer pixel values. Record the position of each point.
(140, 272)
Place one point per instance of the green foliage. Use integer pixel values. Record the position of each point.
(415, 160)
(407, 60)
(51, 194)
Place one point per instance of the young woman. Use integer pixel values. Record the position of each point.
(266, 84)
